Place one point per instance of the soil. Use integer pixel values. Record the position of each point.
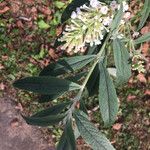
(15, 134)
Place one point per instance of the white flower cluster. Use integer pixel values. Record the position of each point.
(88, 25)
(137, 63)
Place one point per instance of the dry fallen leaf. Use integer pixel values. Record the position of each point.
(141, 78)
(113, 141)
(131, 98)
(145, 49)
(5, 57)
(28, 2)
(1, 67)
(147, 92)
(58, 30)
(45, 10)
(145, 30)
(117, 126)
(20, 24)
(4, 10)
(2, 86)
(19, 107)
(14, 123)
(53, 54)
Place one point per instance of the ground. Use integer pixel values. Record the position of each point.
(15, 133)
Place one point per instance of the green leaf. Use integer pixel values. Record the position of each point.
(70, 135)
(108, 101)
(76, 133)
(67, 65)
(77, 76)
(67, 140)
(91, 134)
(145, 14)
(116, 21)
(54, 110)
(63, 143)
(121, 56)
(72, 7)
(59, 4)
(142, 39)
(93, 82)
(50, 97)
(83, 106)
(92, 50)
(44, 121)
(46, 85)
(47, 98)
(43, 25)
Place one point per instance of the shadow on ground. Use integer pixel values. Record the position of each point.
(15, 134)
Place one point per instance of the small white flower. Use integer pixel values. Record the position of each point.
(120, 36)
(101, 36)
(104, 10)
(91, 43)
(97, 42)
(127, 16)
(135, 34)
(78, 10)
(73, 15)
(113, 5)
(84, 27)
(122, 22)
(96, 18)
(94, 3)
(102, 28)
(107, 21)
(100, 19)
(125, 6)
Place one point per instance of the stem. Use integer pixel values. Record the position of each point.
(78, 96)
(131, 43)
(99, 55)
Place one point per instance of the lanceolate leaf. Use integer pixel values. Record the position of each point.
(115, 23)
(121, 57)
(50, 97)
(67, 141)
(54, 110)
(91, 50)
(47, 98)
(92, 85)
(44, 121)
(67, 65)
(46, 85)
(63, 143)
(70, 135)
(91, 134)
(77, 77)
(107, 97)
(145, 14)
(142, 39)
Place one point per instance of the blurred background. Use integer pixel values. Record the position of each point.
(28, 29)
